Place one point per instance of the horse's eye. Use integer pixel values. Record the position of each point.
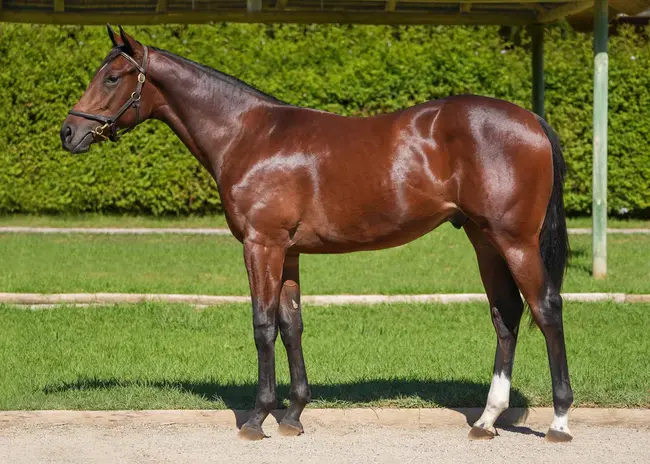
(111, 79)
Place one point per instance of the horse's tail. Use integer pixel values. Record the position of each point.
(554, 239)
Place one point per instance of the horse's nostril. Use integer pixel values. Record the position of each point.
(66, 134)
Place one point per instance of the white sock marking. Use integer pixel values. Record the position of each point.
(561, 423)
(497, 401)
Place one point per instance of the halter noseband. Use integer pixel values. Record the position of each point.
(133, 101)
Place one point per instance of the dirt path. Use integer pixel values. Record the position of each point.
(149, 443)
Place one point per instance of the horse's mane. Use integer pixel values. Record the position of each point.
(241, 85)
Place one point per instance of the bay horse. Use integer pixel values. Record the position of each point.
(295, 180)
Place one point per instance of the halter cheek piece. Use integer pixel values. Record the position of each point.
(133, 101)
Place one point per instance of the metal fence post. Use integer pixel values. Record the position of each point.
(599, 207)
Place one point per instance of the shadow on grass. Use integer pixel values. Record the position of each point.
(459, 395)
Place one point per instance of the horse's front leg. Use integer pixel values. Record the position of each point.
(264, 265)
(291, 333)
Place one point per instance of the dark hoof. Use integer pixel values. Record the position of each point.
(555, 436)
(248, 432)
(290, 428)
(477, 433)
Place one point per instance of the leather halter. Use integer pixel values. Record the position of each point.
(133, 101)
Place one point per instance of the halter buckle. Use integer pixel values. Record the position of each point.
(99, 131)
(141, 78)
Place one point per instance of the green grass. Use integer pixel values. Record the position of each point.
(173, 356)
(441, 262)
(101, 220)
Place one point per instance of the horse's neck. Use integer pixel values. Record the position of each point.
(205, 112)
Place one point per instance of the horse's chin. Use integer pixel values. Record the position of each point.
(78, 150)
(82, 147)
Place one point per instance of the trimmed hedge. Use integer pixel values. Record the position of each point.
(344, 69)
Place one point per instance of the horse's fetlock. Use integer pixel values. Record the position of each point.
(563, 396)
(301, 394)
(266, 401)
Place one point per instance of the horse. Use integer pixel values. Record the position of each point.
(294, 180)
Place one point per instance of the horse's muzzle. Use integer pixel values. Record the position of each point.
(75, 140)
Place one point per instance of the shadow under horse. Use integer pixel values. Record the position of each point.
(457, 395)
(295, 180)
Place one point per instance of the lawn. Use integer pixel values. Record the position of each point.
(440, 262)
(100, 220)
(174, 356)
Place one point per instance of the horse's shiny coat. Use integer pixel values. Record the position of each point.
(295, 180)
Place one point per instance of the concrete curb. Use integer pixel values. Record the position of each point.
(35, 300)
(209, 231)
(587, 231)
(425, 417)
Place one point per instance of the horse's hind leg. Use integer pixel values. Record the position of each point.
(527, 267)
(506, 308)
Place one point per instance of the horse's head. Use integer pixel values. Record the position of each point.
(117, 98)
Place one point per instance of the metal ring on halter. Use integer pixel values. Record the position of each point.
(99, 131)
(136, 96)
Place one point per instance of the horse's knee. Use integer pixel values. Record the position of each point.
(265, 332)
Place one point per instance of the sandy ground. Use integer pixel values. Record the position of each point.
(147, 443)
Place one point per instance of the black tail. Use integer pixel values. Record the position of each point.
(554, 239)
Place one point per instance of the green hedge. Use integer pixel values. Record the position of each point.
(345, 69)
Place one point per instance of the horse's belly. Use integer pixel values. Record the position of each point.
(375, 215)
(366, 234)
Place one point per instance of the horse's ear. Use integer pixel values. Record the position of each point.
(130, 44)
(117, 40)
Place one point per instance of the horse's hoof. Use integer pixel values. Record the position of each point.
(555, 436)
(248, 432)
(290, 428)
(478, 433)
